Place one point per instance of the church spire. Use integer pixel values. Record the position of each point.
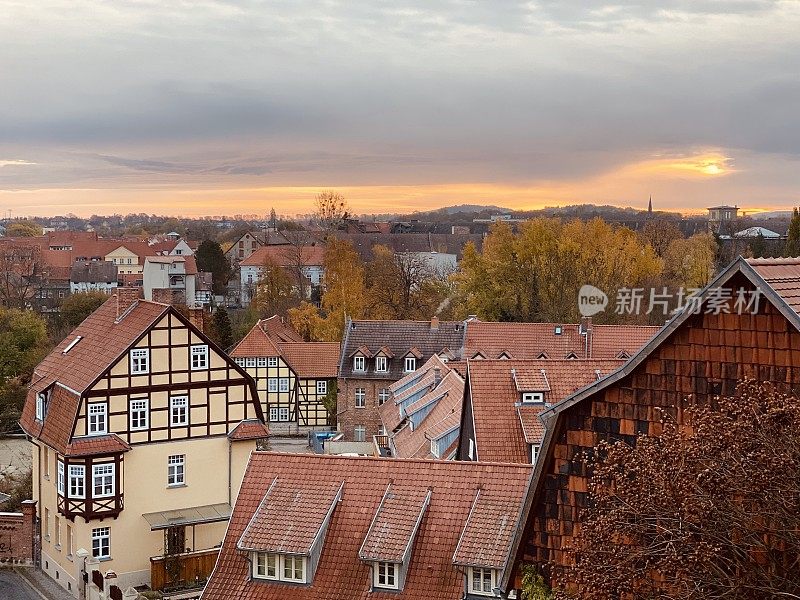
(650, 206)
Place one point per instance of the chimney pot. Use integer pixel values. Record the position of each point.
(434, 322)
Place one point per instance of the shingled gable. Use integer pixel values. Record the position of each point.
(340, 572)
(763, 274)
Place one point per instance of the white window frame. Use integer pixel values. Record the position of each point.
(262, 566)
(101, 542)
(359, 364)
(410, 364)
(383, 395)
(60, 479)
(272, 385)
(239, 361)
(140, 361)
(273, 414)
(283, 384)
(360, 397)
(199, 357)
(103, 478)
(77, 482)
(322, 387)
(532, 397)
(381, 364)
(535, 448)
(250, 361)
(359, 433)
(481, 572)
(139, 411)
(283, 414)
(272, 361)
(176, 470)
(176, 403)
(386, 575)
(293, 558)
(261, 361)
(41, 405)
(94, 412)
(471, 452)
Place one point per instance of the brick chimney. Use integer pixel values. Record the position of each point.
(437, 376)
(163, 295)
(197, 317)
(126, 296)
(28, 541)
(434, 323)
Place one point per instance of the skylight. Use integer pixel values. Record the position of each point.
(72, 344)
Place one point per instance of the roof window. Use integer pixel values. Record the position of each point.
(71, 345)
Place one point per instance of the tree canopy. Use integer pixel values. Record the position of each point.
(76, 307)
(211, 258)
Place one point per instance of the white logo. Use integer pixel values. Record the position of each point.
(591, 300)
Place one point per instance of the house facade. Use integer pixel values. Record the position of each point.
(744, 326)
(376, 354)
(304, 264)
(141, 429)
(292, 376)
(175, 273)
(313, 526)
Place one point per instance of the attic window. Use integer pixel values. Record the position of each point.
(358, 363)
(386, 575)
(558, 330)
(71, 345)
(571, 356)
(542, 355)
(41, 406)
(530, 397)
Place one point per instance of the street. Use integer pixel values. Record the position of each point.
(12, 587)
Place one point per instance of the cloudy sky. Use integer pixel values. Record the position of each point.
(214, 107)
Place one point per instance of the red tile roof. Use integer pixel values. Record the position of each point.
(92, 446)
(291, 515)
(286, 256)
(56, 429)
(486, 538)
(783, 275)
(249, 429)
(255, 343)
(391, 533)
(340, 573)
(277, 329)
(499, 433)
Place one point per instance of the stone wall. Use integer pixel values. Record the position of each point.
(17, 535)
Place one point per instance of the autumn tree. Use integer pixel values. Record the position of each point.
(689, 263)
(660, 233)
(344, 287)
(275, 292)
(23, 229)
(331, 210)
(708, 509)
(211, 259)
(21, 269)
(306, 320)
(75, 308)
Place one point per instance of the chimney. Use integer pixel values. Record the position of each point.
(437, 376)
(197, 317)
(126, 297)
(163, 295)
(434, 323)
(586, 325)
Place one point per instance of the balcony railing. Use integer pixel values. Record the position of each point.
(104, 507)
(381, 444)
(189, 569)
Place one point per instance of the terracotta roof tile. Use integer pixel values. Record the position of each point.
(499, 433)
(249, 429)
(391, 534)
(312, 359)
(56, 428)
(291, 515)
(340, 574)
(285, 256)
(102, 444)
(255, 343)
(487, 535)
(532, 427)
(783, 275)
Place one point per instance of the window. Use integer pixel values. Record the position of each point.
(101, 542)
(283, 413)
(273, 414)
(361, 397)
(139, 414)
(294, 568)
(239, 361)
(98, 418)
(261, 361)
(250, 362)
(46, 524)
(481, 581)
(69, 540)
(175, 469)
(322, 387)
(265, 565)
(71, 345)
(386, 575)
(284, 384)
(383, 395)
(534, 453)
(528, 397)
(178, 411)
(272, 361)
(199, 357)
(272, 384)
(140, 361)
(60, 478)
(359, 433)
(410, 364)
(381, 364)
(77, 481)
(103, 481)
(41, 406)
(358, 363)
(471, 452)
(46, 466)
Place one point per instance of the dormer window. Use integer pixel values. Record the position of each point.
(558, 330)
(385, 575)
(359, 363)
(381, 364)
(571, 356)
(482, 581)
(410, 364)
(41, 406)
(140, 361)
(279, 567)
(535, 453)
(532, 397)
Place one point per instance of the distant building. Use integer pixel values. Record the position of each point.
(303, 263)
(175, 273)
(720, 216)
(98, 276)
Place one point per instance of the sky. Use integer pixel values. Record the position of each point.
(221, 107)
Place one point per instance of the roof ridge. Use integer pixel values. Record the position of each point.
(427, 461)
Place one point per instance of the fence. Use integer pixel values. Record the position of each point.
(182, 570)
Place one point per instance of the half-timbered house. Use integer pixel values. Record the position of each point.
(292, 376)
(743, 325)
(141, 430)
